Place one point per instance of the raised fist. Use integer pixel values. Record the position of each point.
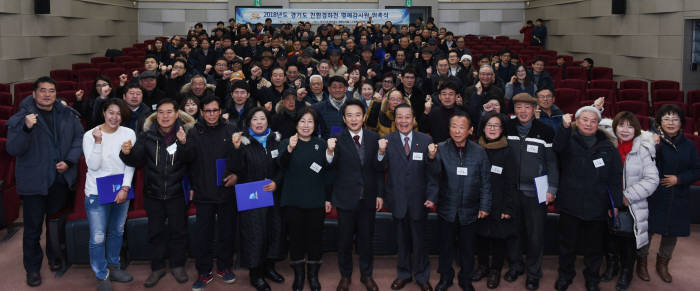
(79, 95)
(292, 143)
(126, 147)
(236, 139)
(30, 120)
(181, 136)
(432, 150)
(331, 145)
(382, 146)
(566, 120)
(97, 135)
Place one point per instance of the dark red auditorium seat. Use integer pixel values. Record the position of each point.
(65, 85)
(593, 94)
(5, 98)
(569, 60)
(6, 111)
(3, 133)
(644, 121)
(19, 96)
(634, 84)
(573, 84)
(10, 199)
(554, 72)
(636, 107)
(666, 95)
(551, 53)
(97, 60)
(576, 72)
(603, 84)
(68, 95)
(62, 75)
(87, 75)
(664, 84)
(568, 99)
(601, 73)
(77, 227)
(694, 110)
(4, 88)
(632, 95)
(113, 74)
(123, 59)
(693, 96)
(24, 87)
(82, 66)
(108, 65)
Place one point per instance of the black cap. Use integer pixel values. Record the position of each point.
(148, 74)
(289, 91)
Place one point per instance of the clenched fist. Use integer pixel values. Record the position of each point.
(331, 146)
(181, 136)
(292, 143)
(126, 147)
(382, 146)
(428, 104)
(566, 120)
(432, 150)
(236, 139)
(30, 120)
(97, 135)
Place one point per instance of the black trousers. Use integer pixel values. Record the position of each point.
(533, 216)
(411, 238)
(493, 248)
(571, 229)
(166, 241)
(357, 224)
(305, 227)
(464, 236)
(261, 235)
(220, 218)
(36, 210)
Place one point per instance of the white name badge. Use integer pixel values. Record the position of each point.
(274, 154)
(462, 171)
(598, 163)
(417, 156)
(532, 149)
(154, 106)
(315, 167)
(496, 169)
(172, 149)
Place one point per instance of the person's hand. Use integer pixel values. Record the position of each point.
(230, 180)
(505, 216)
(656, 137)
(163, 70)
(329, 207)
(382, 146)
(479, 88)
(417, 55)
(566, 120)
(487, 107)
(172, 56)
(669, 181)
(247, 60)
(512, 79)
(224, 116)
(610, 214)
(268, 106)
(79, 95)
(432, 151)
(538, 112)
(226, 75)
(429, 71)
(270, 187)
(475, 74)
(301, 94)
(122, 195)
(236, 139)
(459, 101)
(598, 103)
(309, 71)
(625, 201)
(97, 135)
(387, 56)
(292, 143)
(482, 214)
(371, 74)
(429, 204)
(191, 194)
(428, 104)
(173, 74)
(106, 89)
(351, 83)
(122, 79)
(207, 69)
(550, 198)
(275, 50)
(267, 44)
(61, 167)
(342, 49)
(377, 96)
(181, 136)
(135, 73)
(30, 120)
(380, 203)
(330, 149)
(126, 147)
(297, 83)
(256, 72)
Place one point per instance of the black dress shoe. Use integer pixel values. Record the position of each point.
(532, 284)
(271, 273)
(55, 265)
(479, 273)
(592, 287)
(443, 285)
(425, 286)
(562, 284)
(398, 284)
(512, 275)
(33, 279)
(493, 279)
(260, 284)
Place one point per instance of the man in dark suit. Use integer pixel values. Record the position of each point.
(354, 156)
(410, 191)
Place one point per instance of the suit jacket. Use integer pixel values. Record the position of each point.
(355, 180)
(409, 183)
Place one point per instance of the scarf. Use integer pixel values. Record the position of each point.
(624, 147)
(493, 144)
(337, 103)
(261, 138)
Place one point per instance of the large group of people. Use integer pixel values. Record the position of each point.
(356, 119)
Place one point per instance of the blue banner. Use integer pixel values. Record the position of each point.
(321, 16)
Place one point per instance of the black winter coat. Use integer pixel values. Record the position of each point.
(253, 162)
(206, 144)
(164, 172)
(503, 191)
(589, 177)
(669, 208)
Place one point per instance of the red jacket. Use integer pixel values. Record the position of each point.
(527, 30)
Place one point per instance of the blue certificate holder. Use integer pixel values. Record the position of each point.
(220, 169)
(108, 187)
(252, 196)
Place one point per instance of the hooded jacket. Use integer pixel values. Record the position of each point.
(37, 151)
(381, 119)
(164, 171)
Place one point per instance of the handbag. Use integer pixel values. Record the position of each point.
(621, 224)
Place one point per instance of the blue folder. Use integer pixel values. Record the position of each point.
(251, 195)
(220, 168)
(186, 187)
(335, 129)
(108, 187)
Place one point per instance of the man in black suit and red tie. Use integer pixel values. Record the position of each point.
(411, 190)
(354, 156)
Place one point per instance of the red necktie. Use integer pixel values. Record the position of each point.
(357, 140)
(406, 147)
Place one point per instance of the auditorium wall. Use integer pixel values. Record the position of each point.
(32, 45)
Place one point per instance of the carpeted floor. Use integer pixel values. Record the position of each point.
(684, 268)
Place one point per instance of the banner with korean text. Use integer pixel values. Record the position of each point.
(321, 16)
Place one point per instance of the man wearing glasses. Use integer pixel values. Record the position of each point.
(484, 90)
(548, 113)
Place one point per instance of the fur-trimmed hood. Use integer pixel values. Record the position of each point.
(187, 88)
(185, 120)
(385, 107)
(246, 141)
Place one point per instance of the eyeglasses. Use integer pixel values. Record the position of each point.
(493, 126)
(546, 96)
(670, 120)
(212, 111)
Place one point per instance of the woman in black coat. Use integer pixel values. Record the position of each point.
(261, 228)
(669, 207)
(495, 228)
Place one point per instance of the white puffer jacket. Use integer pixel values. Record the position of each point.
(640, 181)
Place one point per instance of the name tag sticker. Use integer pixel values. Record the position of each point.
(598, 163)
(417, 156)
(496, 169)
(274, 154)
(315, 167)
(532, 149)
(172, 149)
(462, 171)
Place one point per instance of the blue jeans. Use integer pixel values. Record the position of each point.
(104, 219)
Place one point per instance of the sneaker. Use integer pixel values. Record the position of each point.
(227, 275)
(202, 281)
